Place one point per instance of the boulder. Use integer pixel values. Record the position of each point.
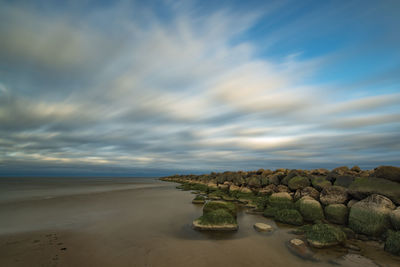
(356, 169)
(307, 191)
(362, 187)
(289, 216)
(274, 179)
(337, 213)
(395, 219)
(310, 209)
(263, 227)
(388, 172)
(234, 188)
(325, 235)
(268, 190)
(300, 249)
(344, 180)
(340, 170)
(392, 243)
(217, 205)
(320, 172)
(281, 200)
(320, 182)
(217, 216)
(245, 190)
(298, 182)
(333, 195)
(351, 203)
(212, 185)
(199, 200)
(254, 182)
(282, 188)
(223, 187)
(265, 173)
(371, 216)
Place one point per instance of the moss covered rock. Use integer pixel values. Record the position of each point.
(298, 182)
(310, 209)
(392, 243)
(199, 200)
(371, 216)
(325, 235)
(333, 195)
(289, 216)
(307, 192)
(217, 216)
(337, 213)
(320, 182)
(270, 212)
(365, 186)
(282, 200)
(395, 218)
(216, 205)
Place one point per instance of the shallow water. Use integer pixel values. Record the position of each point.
(130, 222)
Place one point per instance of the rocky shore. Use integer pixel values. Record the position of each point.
(329, 207)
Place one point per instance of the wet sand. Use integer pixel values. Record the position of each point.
(134, 222)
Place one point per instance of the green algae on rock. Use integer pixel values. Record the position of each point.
(365, 186)
(310, 209)
(298, 182)
(282, 200)
(371, 216)
(199, 200)
(217, 216)
(289, 216)
(337, 213)
(325, 235)
(392, 243)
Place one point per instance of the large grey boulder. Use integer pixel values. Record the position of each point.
(371, 216)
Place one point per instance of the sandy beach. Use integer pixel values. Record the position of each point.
(133, 222)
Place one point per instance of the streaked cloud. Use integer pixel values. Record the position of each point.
(133, 89)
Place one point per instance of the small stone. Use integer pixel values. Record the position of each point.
(263, 227)
(300, 249)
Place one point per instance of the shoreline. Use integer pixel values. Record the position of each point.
(145, 227)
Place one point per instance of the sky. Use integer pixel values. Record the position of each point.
(150, 88)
